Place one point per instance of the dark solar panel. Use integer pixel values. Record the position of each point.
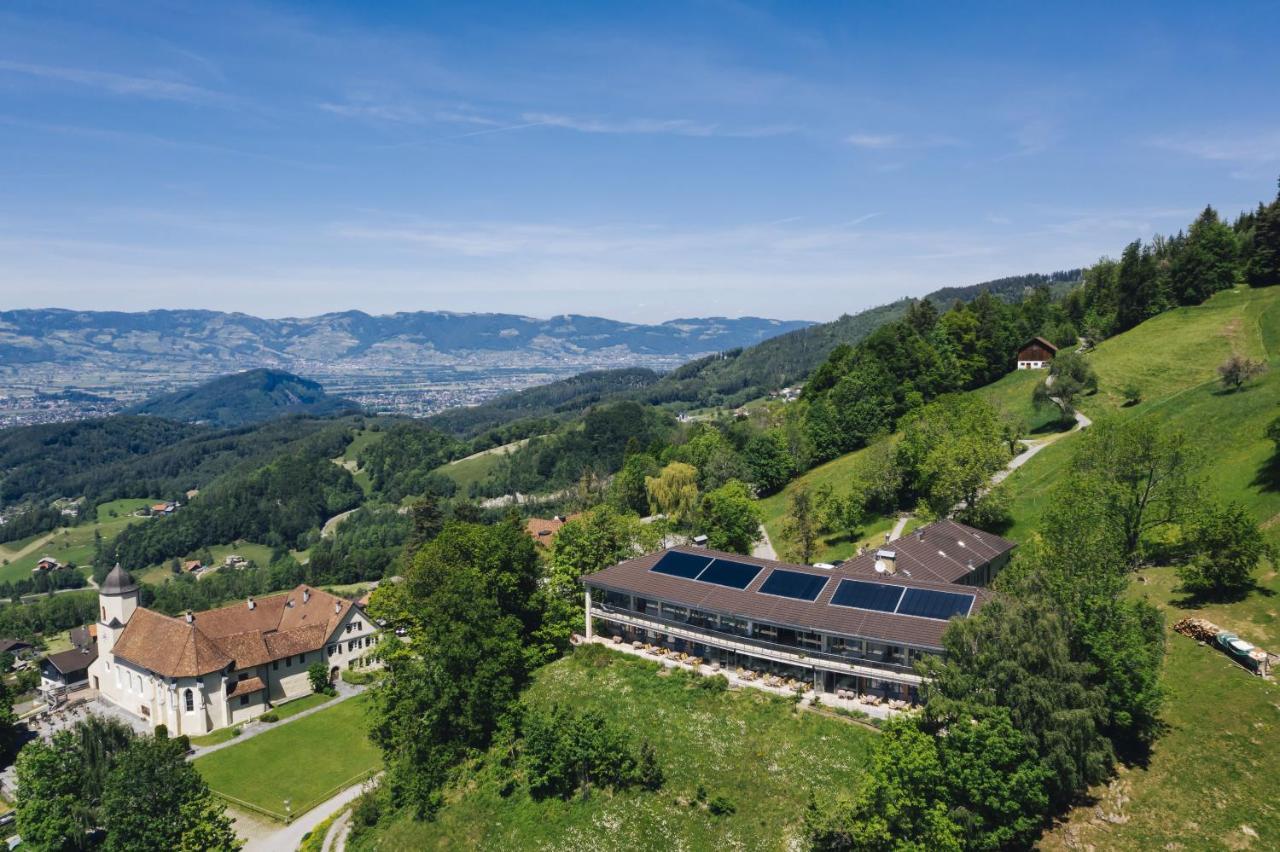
(735, 575)
(863, 595)
(930, 604)
(677, 564)
(793, 584)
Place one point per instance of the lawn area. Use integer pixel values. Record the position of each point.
(1214, 771)
(283, 711)
(299, 705)
(754, 749)
(305, 761)
(72, 544)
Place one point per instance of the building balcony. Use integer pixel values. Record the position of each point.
(758, 647)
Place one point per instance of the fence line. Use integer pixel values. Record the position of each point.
(241, 803)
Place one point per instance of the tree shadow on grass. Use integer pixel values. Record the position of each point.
(1198, 600)
(1268, 476)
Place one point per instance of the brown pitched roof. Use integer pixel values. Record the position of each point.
(635, 577)
(74, 660)
(276, 627)
(1041, 342)
(246, 686)
(939, 553)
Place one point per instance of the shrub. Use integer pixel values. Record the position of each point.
(714, 683)
(721, 806)
(649, 773)
(367, 809)
(235, 732)
(1132, 394)
(318, 675)
(270, 716)
(356, 678)
(162, 731)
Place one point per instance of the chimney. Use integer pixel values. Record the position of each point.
(920, 534)
(699, 541)
(969, 565)
(887, 561)
(250, 603)
(191, 617)
(306, 595)
(337, 607)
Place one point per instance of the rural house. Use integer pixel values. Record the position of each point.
(1036, 354)
(221, 667)
(859, 626)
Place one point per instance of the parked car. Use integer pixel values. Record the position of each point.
(1238, 649)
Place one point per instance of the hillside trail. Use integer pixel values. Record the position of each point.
(1031, 448)
(30, 548)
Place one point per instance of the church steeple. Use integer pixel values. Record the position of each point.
(117, 600)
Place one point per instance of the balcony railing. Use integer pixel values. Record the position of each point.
(758, 647)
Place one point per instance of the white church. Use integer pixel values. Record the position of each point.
(221, 667)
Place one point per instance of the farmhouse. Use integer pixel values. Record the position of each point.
(68, 671)
(46, 563)
(220, 667)
(859, 626)
(1036, 354)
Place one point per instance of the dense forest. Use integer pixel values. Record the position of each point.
(276, 504)
(114, 457)
(253, 396)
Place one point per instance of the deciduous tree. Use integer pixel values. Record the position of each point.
(730, 519)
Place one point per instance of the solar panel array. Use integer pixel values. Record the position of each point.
(798, 585)
(881, 597)
(719, 572)
(793, 584)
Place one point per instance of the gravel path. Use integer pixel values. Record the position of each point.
(764, 547)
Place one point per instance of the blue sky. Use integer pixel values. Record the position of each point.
(641, 161)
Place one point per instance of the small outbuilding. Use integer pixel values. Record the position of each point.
(1036, 354)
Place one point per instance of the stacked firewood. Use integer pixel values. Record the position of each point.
(1198, 629)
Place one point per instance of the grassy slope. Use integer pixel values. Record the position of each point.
(747, 746)
(68, 544)
(1011, 395)
(350, 457)
(1174, 359)
(1214, 771)
(303, 761)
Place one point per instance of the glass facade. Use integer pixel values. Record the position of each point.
(808, 643)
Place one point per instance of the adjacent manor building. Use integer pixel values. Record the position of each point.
(860, 625)
(208, 670)
(1036, 354)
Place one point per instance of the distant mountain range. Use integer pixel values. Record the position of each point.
(232, 340)
(249, 397)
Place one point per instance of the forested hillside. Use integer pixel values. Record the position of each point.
(249, 397)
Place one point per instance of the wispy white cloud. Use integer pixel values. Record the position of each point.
(117, 84)
(898, 141)
(386, 112)
(1256, 147)
(494, 239)
(873, 140)
(671, 126)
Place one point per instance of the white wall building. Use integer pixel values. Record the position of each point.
(208, 670)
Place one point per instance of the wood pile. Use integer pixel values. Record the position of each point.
(1198, 629)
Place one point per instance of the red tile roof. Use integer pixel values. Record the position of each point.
(276, 627)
